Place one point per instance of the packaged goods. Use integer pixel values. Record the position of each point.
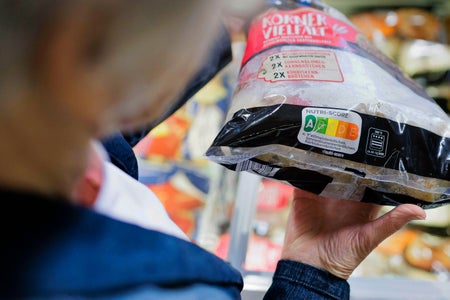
(181, 189)
(319, 107)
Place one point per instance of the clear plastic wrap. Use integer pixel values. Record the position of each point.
(319, 107)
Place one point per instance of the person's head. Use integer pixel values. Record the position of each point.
(102, 65)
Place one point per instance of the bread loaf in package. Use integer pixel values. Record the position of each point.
(319, 107)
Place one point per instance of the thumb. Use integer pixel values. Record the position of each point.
(381, 228)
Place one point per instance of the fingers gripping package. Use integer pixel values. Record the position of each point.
(317, 106)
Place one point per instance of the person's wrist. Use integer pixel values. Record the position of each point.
(312, 258)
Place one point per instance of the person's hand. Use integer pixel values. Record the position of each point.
(336, 235)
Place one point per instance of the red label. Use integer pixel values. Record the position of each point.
(300, 26)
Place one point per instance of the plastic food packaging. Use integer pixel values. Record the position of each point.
(319, 107)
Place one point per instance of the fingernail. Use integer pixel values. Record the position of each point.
(419, 217)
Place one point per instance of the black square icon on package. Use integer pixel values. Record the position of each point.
(377, 141)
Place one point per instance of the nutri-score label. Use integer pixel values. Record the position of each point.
(335, 130)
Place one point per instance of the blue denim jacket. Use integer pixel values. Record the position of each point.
(294, 280)
(54, 250)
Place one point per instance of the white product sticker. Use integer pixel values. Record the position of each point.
(336, 131)
(257, 168)
(317, 65)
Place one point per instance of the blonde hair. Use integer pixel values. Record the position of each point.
(23, 23)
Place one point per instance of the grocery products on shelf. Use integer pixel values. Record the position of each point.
(182, 191)
(171, 161)
(197, 194)
(416, 39)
